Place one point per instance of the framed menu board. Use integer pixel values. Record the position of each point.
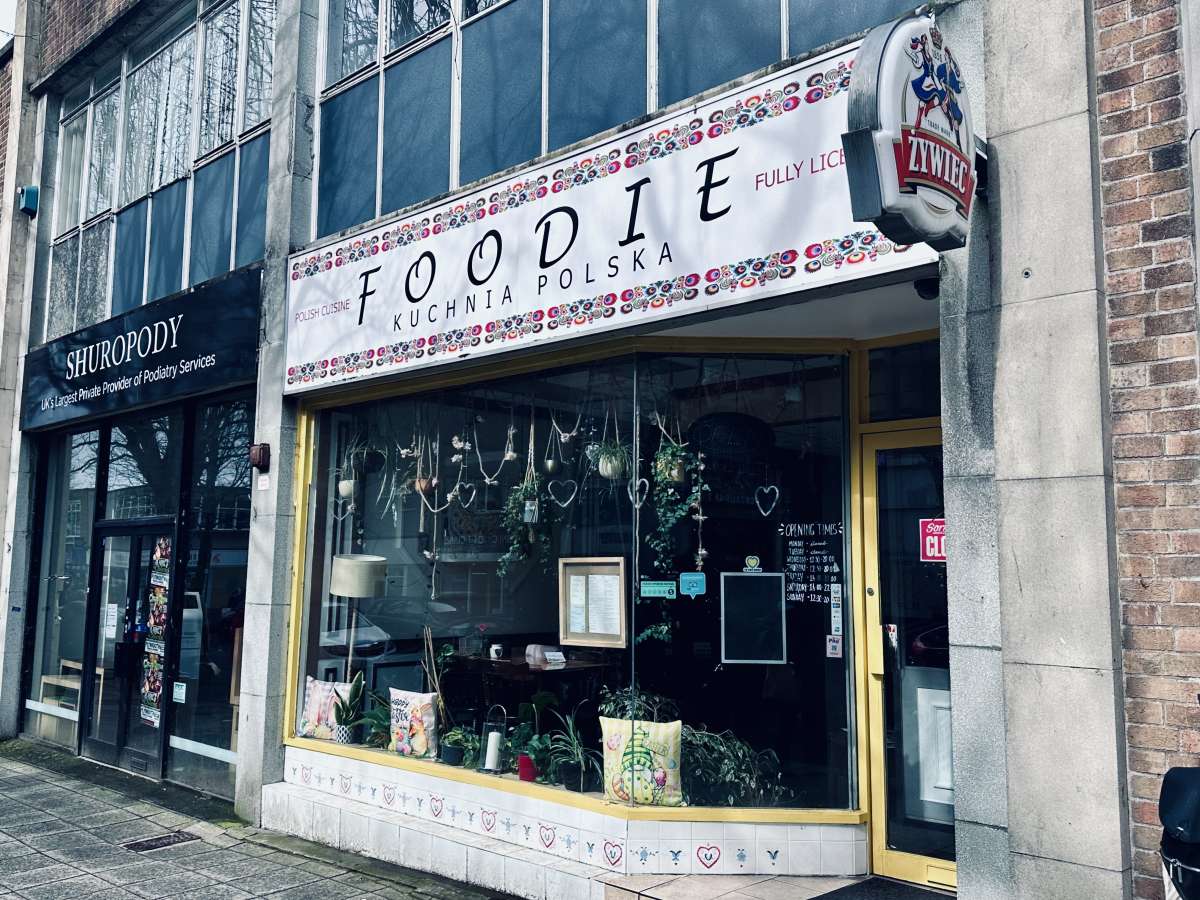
(591, 601)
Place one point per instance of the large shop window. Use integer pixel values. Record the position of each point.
(673, 526)
(349, 140)
(812, 24)
(416, 127)
(204, 729)
(52, 708)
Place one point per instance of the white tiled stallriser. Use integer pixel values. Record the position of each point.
(528, 847)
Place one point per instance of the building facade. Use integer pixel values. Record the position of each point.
(599, 439)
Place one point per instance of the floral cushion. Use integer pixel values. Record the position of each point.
(641, 762)
(316, 719)
(414, 723)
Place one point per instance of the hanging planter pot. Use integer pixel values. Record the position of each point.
(346, 488)
(612, 461)
(551, 466)
(424, 485)
(672, 470)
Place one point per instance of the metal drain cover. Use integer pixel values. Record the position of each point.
(163, 840)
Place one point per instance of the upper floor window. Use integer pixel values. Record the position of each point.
(170, 135)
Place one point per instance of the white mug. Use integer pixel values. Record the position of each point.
(496, 651)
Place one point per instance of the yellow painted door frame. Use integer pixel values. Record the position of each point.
(924, 870)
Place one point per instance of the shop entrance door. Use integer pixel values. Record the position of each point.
(123, 671)
(912, 776)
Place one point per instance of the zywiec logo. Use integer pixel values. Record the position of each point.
(910, 147)
(930, 151)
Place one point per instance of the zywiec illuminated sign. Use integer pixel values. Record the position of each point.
(738, 198)
(195, 342)
(910, 147)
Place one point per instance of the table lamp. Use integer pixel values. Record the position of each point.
(355, 576)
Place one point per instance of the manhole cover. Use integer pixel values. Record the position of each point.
(157, 843)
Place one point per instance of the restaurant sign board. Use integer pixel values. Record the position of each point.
(737, 198)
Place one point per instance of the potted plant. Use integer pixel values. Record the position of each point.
(459, 747)
(526, 538)
(534, 761)
(674, 466)
(346, 711)
(378, 721)
(574, 763)
(612, 459)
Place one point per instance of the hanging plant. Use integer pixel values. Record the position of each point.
(675, 467)
(527, 518)
(612, 460)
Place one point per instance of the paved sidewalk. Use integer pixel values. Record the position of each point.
(66, 838)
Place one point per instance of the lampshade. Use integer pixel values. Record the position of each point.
(357, 575)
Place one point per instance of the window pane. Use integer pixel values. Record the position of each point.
(502, 89)
(346, 184)
(141, 118)
(471, 7)
(129, 258)
(166, 241)
(218, 89)
(143, 467)
(214, 596)
(413, 18)
(416, 127)
(701, 45)
(73, 133)
(212, 219)
(353, 37)
(176, 128)
(597, 66)
(259, 57)
(252, 201)
(62, 588)
(60, 304)
(904, 382)
(92, 305)
(102, 160)
(810, 25)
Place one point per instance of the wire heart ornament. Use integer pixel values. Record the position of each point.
(464, 489)
(558, 491)
(637, 490)
(764, 494)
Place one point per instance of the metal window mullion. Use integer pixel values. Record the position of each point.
(455, 90)
(783, 29)
(198, 86)
(149, 226)
(186, 263)
(651, 55)
(239, 96)
(380, 20)
(237, 180)
(123, 100)
(545, 76)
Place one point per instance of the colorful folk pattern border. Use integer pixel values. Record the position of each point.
(741, 113)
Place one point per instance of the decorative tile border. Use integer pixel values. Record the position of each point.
(549, 833)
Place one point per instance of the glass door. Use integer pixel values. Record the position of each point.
(125, 676)
(912, 778)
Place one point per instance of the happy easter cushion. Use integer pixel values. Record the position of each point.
(641, 762)
(414, 724)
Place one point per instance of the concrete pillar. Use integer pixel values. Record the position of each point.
(1039, 764)
(269, 576)
(23, 165)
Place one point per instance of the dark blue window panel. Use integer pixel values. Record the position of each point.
(597, 66)
(212, 219)
(166, 241)
(129, 258)
(501, 90)
(349, 144)
(701, 45)
(252, 201)
(810, 24)
(416, 127)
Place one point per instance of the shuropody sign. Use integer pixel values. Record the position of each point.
(910, 147)
(196, 342)
(741, 197)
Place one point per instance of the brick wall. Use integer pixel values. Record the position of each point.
(1150, 282)
(70, 24)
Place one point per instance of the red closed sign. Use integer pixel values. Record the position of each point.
(933, 540)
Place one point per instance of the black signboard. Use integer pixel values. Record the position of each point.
(195, 342)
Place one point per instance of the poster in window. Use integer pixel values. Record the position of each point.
(152, 683)
(753, 618)
(591, 601)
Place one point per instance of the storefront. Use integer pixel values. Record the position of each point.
(620, 529)
(143, 427)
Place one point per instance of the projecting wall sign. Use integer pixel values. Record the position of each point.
(910, 147)
(739, 198)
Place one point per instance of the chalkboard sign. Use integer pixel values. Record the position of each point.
(753, 618)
